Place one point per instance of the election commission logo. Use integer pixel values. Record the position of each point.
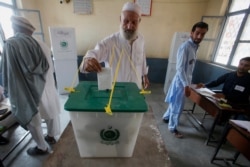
(110, 136)
(64, 44)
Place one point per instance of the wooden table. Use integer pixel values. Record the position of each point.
(239, 138)
(212, 107)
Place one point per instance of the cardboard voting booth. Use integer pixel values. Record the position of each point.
(63, 43)
(99, 134)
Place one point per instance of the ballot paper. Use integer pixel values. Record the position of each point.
(105, 79)
(205, 92)
(242, 124)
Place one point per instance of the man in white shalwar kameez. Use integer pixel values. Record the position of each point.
(179, 88)
(49, 106)
(27, 79)
(127, 43)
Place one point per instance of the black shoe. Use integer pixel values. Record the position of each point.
(3, 140)
(50, 140)
(1, 163)
(33, 151)
(165, 120)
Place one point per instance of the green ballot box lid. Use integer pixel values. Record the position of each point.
(87, 98)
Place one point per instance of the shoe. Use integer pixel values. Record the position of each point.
(3, 140)
(50, 140)
(176, 133)
(165, 120)
(33, 151)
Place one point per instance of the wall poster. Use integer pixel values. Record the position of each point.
(146, 6)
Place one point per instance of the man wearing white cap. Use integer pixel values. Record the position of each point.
(28, 79)
(127, 44)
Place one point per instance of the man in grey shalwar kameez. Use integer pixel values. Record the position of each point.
(186, 57)
(25, 73)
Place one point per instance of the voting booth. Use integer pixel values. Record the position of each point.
(99, 134)
(63, 43)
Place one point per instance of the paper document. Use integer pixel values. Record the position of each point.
(205, 92)
(242, 124)
(105, 79)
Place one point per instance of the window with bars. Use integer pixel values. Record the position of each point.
(234, 42)
(7, 9)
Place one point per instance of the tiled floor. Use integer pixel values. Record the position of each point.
(191, 151)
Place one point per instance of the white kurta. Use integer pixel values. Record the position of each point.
(49, 106)
(111, 48)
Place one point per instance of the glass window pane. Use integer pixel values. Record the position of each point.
(7, 1)
(239, 5)
(246, 31)
(5, 21)
(228, 38)
(2, 37)
(243, 50)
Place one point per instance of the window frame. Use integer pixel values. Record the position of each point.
(17, 11)
(237, 39)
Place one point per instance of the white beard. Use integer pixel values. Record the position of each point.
(128, 35)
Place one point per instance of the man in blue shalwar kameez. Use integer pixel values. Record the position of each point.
(179, 88)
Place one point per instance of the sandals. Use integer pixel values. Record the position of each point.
(176, 133)
(165, 120)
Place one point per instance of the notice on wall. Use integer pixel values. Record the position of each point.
(83, 6)
(145, 6)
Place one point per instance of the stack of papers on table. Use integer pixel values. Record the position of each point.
(205, 92)
(242, 124)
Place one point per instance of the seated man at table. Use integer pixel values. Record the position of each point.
(236, 88)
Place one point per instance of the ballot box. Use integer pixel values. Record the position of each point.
(99, 134)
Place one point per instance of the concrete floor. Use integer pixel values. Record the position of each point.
(191, 151)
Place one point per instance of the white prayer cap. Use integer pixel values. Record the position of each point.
(131, 6)
(21, 22)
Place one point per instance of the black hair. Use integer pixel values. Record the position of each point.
(200, 25)
(245, 59)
